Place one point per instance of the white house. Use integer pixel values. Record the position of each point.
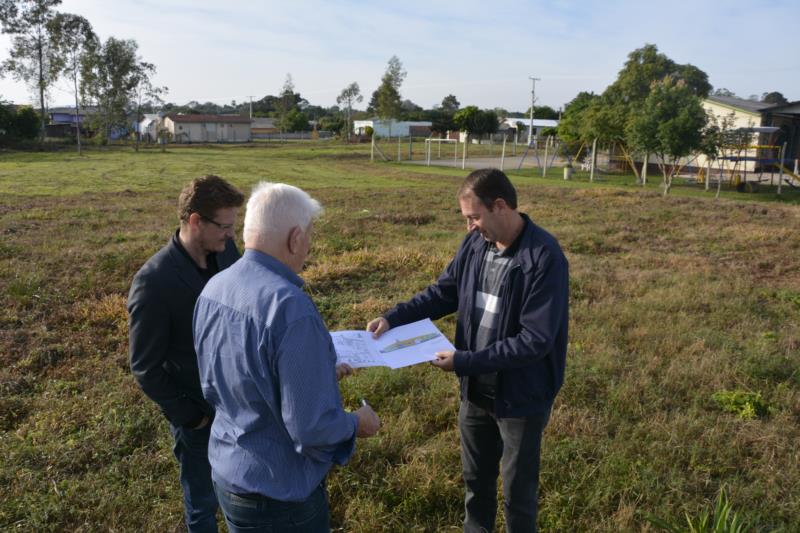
(207, 128)
(148, 127)
(393, 128)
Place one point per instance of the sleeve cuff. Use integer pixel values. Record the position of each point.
(348, 448)
(460, 362)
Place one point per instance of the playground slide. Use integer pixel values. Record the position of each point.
(790, 178)
(789, 172)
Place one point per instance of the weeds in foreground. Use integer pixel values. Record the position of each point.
(748, 405)
(723, 519)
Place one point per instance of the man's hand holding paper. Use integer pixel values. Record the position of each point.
(398, 347)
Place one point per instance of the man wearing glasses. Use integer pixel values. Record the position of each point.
(160, 307)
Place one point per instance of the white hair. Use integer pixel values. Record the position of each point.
(275, 208)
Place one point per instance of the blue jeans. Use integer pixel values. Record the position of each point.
(199, 500)
(254, 513)
(513, 445)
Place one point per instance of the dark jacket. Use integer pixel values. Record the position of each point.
(530, 355)
(160, 307)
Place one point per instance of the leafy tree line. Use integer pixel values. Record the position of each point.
(47, 45)
(292, 111)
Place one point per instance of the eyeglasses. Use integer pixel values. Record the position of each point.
(223, 227)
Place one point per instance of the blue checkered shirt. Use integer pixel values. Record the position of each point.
(267, 366)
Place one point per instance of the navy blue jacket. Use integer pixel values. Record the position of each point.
(530, 355)
(160, 307)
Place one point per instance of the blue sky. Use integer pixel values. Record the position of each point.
(483, 52)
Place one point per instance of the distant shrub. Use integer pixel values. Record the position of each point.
(747, 405)
(18, 123)
(26, 123)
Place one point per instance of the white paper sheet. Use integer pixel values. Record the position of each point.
(401, 346)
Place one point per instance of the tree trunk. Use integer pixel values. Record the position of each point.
(664, 176)
(631, 163)
(40, 52)
(77, 115)
(137, 131)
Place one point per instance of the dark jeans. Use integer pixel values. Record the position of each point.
(254, 513)
(199, 500)
(512, 443)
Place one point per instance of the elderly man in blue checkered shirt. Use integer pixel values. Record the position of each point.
(268, 367)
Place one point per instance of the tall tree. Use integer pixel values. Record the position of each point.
(75, 39)
(488, 122)
(112, 75)
(450, 103)
(544, 112)
(571, 127)
(33, 56)
(475, 121)
(608, 116)
(670, 125)
(145, 91)
(389, 102)
(294, 120)
(722, 91)
(774, 97)
(349, 95)
(286, 100)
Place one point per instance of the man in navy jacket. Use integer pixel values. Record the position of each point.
(160, 304)
(509, 284)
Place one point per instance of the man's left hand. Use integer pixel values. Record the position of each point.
(342, 370)
(444, 360)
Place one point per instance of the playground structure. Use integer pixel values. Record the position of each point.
(742, 163)
(749, 157)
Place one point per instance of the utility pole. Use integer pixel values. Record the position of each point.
(251, 107)
(533, 100)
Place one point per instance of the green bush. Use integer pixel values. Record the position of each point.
(747, 405)
(19, 123)
(26, 123)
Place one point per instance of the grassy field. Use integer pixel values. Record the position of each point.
(682, 375)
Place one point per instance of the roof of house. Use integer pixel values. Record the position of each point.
(792, 108)
(67, 110)
(741, 103)
(264, 122)
(238, 119)
(394, 122)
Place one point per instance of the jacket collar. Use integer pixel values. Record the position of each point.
(523, 254)
(185, 268)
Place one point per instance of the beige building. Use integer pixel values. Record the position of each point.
(744, 115)
(207, 128)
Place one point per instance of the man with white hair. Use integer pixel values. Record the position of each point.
(268, 367)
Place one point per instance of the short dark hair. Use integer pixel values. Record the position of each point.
(489, 184)
(206, 194)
